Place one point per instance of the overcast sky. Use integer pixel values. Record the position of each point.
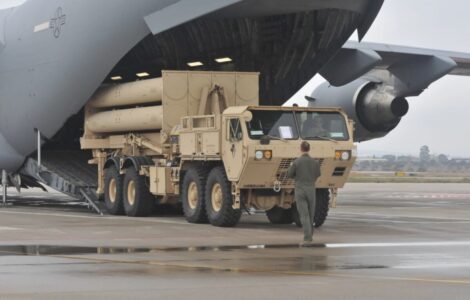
(440, 117)
(10, 3)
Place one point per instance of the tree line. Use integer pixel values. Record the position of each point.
(425, 162)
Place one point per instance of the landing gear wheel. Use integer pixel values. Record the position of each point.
(322, 206)
(278, 215)
(138, 201)
(192, 195)
(219, 200)
(113, 185)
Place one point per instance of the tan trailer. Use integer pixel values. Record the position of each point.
(201, 138)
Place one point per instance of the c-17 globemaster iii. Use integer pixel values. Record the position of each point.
(56, 54)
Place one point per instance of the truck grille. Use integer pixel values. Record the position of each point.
(281, 174)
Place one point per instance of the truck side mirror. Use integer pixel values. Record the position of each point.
(265, 140)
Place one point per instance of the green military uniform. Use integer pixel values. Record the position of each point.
(305, 170)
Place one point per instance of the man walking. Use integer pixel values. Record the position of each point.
(305, 171)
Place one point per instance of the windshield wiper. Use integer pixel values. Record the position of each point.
(324, 138)
(276, 138)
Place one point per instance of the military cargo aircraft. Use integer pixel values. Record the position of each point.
(54, 55)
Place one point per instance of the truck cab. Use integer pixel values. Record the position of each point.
(255, 146)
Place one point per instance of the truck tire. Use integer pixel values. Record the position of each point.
(113, 184)
(192, 195)
(138, 201)
(278, 215)
(322, 206)
(219, 200)
(295, 216)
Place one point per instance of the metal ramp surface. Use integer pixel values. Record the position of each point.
(67, 172)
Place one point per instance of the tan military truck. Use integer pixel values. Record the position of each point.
(201, 138)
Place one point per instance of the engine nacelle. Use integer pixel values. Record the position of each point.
(371, 105)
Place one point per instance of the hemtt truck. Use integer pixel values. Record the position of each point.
(201, 138)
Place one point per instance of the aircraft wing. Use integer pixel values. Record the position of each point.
(425, 65)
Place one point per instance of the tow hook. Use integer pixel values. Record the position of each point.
(277, 186)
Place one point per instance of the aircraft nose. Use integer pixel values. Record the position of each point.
(10, 159)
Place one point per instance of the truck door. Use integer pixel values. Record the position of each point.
(233, 148)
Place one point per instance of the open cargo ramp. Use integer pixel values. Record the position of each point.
(67, 172)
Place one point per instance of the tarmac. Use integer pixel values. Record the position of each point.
(384, 241)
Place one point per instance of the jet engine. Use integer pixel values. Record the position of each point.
(371, 104)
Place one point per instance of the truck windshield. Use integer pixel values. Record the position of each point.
(274, 124)
(322, 125)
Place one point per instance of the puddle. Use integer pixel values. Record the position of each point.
(360, 267)
(39, 250)
(301, 261)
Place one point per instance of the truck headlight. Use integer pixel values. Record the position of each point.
(268, 154)
(343, 155)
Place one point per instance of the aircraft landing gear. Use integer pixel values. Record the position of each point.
(4, 187)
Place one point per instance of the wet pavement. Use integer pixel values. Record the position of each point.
(384, 241)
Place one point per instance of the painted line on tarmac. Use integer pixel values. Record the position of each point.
(400, 244)
(399, 221)
(197, 267)
(388, 217)
(463, 196)
(391, 278)
(147, 220)
(5, 228)
(433, 266)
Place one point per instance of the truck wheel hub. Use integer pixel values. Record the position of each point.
(217, 197)
(112, 190)
(131, 192)
(193, 197)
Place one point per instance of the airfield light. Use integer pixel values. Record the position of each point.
(223, 60)
(143, 74)
(195, 64)
(115, 78)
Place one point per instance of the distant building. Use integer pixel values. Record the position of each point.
(460, 160)
(371, 159)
